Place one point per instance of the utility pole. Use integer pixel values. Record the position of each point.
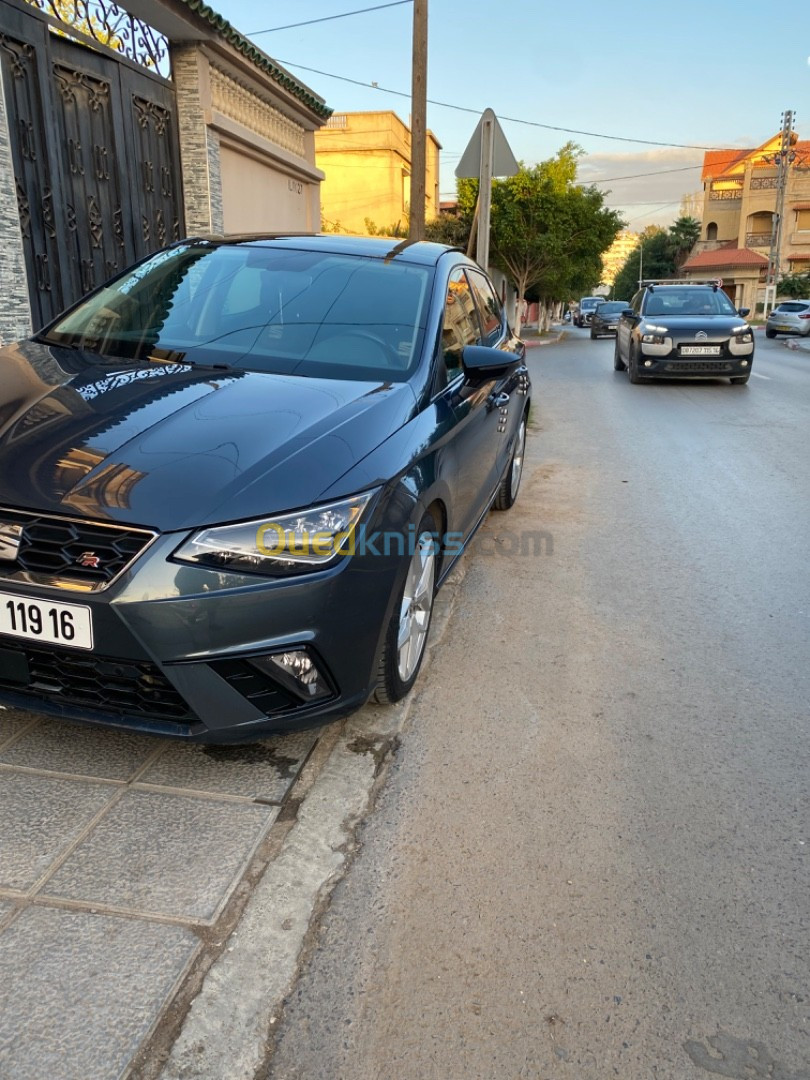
(416, 225)
(782, 159)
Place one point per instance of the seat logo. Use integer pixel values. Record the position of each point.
(89, 559)
(10, 540)
(701, 335)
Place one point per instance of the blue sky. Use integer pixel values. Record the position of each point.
(700, 72)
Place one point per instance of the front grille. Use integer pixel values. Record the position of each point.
(123, 687)
(54, 549)
(699, 365)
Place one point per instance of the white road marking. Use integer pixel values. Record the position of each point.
(757, 375)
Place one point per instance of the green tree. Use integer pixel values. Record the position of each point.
(547, 232)
(684, 233)
(796, 286)
(653, 258)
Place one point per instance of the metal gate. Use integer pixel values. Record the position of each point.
(95, 155)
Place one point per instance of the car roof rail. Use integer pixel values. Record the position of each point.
(650, 283)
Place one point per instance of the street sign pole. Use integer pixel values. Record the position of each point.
(485, 189)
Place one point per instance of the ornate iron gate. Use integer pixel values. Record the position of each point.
(95, 153)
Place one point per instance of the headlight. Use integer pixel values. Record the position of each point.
(304, 539)
(653, 335)
(743, 334)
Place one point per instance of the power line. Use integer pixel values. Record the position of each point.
(329, 18)
(509, 119)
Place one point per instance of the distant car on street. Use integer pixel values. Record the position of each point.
(585, 309)
(605, 318)
(683, 330)
(789, 317)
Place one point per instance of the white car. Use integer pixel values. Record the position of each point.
(789, 317)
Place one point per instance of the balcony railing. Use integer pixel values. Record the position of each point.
(758, 239)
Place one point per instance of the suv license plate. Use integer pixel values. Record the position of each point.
(700, 350)
(70, 625)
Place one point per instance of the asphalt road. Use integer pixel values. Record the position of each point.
(590, 858)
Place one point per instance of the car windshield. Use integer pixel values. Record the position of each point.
(689, 301)
(614, 307)
(587, 304)
(259, 307)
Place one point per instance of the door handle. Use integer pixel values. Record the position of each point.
(500, 401)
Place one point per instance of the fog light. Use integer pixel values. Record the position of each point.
(648, 363)
(296, 671)
(743, 363)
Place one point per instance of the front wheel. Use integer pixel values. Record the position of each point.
(632, 367)
(407, 633)
(510, 482)
(593, 335)
(770, 333)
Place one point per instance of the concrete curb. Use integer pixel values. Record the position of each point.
(229, 1024)
(533, 343)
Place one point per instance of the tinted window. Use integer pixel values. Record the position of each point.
(460, 325)
(489, 307)
(688, 301)
(261, 308)
(796, 306)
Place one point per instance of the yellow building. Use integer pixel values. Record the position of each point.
(616, 255)
(741, 189)
(366, 160)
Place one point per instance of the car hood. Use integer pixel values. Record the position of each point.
(172, 446)
(715, 326)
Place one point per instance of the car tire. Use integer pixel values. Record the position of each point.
(739, 380)
(510, 481)
(593, 335)
(618, 363)
(632, 367)
(408, 628)
(770, 333)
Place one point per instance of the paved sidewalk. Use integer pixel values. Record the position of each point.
(139, 876)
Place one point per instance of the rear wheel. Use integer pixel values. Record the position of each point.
(618, 363)
(770, 333)
(407, 633)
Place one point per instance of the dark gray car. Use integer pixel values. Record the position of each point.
(232, 480)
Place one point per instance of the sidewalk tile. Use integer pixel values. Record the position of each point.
(85, 751)
(261, 770)
(164, 855)
(41, 815)
(81, 991)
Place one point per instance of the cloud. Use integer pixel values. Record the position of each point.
(647, 186)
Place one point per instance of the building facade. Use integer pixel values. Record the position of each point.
(365, 159)
(616, 255)
(740, 201)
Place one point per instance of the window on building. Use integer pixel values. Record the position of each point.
(803, 220)
(711, 230)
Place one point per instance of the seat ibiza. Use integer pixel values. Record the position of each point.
(233, 479)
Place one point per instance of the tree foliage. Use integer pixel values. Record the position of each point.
(547, 232)
(795, 286)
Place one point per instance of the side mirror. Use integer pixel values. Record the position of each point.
(743, 311)
(628, 313)
(481, 360)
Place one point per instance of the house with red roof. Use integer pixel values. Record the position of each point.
(740, 188)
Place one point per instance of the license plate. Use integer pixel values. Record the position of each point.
(782, 328)
(700, 350)
(70, 625)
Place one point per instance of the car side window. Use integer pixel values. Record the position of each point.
(489, 308)
(635, 303)
(460, 326)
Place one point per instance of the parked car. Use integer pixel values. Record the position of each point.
(232, 480)
(684, 331)
(605, 318)
(789, 317)
(585, 309)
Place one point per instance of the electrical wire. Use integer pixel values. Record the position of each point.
(329, 18)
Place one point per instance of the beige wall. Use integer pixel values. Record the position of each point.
(257, 197)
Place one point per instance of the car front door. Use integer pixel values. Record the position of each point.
(473, 450)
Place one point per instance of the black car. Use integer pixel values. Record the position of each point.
(232, 480)
(605, 318)
(684, 330)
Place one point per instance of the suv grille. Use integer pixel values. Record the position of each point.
(54, 549)
(124, 687)
(700, 365)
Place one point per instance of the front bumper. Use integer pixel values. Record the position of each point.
(174, 643)
(667, 361)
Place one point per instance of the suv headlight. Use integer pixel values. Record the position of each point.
(653, 335)
(305, 539)
(743, 334)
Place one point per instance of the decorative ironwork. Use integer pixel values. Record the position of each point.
(24, 208)
(70, 213)
(43, 277)
(75, 157)
(160, 227)
(148, 176)
(95, 221)
(763, 183)
(147, 235)
(118, 227)
(88, 275)
(27, 148)
(97, 90)
(46, 205)
(756, 239)
(18, 53)
(733, 193)
(100, 161)
(148, 111)
(109, 24)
